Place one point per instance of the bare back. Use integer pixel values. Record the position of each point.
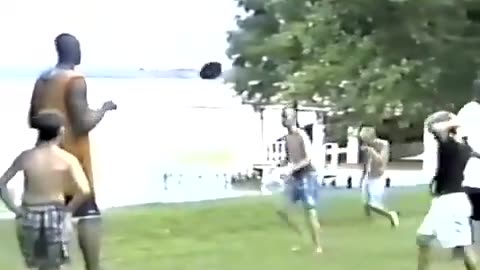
(48, 172)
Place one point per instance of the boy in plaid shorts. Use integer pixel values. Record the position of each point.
(43, 220)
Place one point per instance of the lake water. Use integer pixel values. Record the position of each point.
(163, 116)
(186, 126)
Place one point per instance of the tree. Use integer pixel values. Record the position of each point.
(253, 72)
(372, 59)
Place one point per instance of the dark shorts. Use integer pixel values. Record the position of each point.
(87, 209)
(474, 196)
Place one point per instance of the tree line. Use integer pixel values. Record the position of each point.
(385, 62)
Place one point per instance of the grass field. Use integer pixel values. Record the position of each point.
(245, 234)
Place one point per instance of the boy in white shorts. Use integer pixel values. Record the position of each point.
(448, 219)
(377, 155)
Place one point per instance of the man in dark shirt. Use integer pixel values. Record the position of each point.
(448, 219)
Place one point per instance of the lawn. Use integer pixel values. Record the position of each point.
(245, 234)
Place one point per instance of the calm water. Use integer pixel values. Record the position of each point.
(161, 126)
(165, 116)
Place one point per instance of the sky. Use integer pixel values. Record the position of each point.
(117, 34)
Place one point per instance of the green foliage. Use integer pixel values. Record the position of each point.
(374, 58)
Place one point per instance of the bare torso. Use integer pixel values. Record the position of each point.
(47, 174)
(295, 147)
(377, 167)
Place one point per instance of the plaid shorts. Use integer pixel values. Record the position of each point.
(42, 236)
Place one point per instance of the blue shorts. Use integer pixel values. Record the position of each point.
(303, 187)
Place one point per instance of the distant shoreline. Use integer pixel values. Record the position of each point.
(110, 73)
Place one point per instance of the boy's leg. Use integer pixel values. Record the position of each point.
(27, 238)
(54, 259)
(310, 198)
(376, 192)
(314, 227)
(455, 230)
(469, 258)
(424, 246)
(285, 217)
(55, 237)
(366, 199)
(426, 233)
(288, 200)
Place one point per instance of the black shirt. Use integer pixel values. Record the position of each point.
(452, 160)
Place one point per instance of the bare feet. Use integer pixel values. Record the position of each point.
(395, 220)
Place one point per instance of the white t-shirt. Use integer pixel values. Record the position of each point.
(468, 117)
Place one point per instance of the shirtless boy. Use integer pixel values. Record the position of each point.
(302, 184)
(377, 155)
(43, 219)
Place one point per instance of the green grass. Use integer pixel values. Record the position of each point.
(245, 234)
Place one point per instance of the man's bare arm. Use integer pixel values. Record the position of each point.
(475, 154)
(5, 178)
(83, 118)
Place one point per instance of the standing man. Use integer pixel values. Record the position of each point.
(302, 184)
(448, 219)
(64, 89)
(468, 118)
(375, 164)
(44, 221)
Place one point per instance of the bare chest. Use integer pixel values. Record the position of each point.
(295, 148)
